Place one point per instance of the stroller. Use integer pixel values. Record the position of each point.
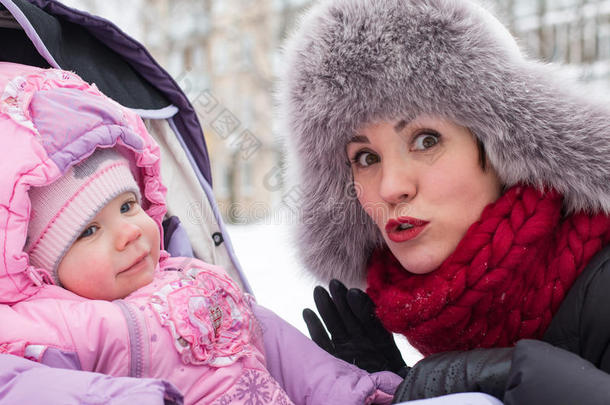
(46, 33)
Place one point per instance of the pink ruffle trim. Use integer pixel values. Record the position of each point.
(207, 316)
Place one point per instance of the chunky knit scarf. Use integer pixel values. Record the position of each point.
(504, 281)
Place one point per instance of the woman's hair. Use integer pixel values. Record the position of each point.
(353, 62)
(482, 154)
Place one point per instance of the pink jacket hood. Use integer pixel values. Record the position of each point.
(50, 120)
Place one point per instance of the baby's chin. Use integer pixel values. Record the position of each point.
(145, 280)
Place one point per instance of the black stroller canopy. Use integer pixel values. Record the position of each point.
(74, 48)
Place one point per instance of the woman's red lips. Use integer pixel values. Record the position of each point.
(404, 228)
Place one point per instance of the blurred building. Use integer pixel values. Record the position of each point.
(233, 66)
(575, 32)
(225, 55)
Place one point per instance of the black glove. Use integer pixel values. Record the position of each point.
(478, 370)
(358, 336)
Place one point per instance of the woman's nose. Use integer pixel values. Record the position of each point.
(397, 183)
(126, 234)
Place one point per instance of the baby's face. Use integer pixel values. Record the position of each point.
(116, 254)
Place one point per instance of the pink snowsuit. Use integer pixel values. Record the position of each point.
(191, 326)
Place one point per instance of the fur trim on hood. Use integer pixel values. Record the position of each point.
(353, 62)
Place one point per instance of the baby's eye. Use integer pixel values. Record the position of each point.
(126, 206)
(90, 230)
(425, 141)
(365, 158)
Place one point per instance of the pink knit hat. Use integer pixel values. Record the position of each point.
(61, 210)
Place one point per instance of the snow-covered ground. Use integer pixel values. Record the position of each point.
(268, 259)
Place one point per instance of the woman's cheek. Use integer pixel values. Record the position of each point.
(372, 209)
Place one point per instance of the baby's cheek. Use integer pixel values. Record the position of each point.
(70, 268)
(153, 233)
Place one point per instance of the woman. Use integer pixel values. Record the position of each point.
(467, 184)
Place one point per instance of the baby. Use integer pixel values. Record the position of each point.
(89, 229)
(110, 299)
(91, 233)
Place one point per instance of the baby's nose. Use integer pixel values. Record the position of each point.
(127, 234)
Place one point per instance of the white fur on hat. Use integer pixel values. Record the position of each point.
(61, 210)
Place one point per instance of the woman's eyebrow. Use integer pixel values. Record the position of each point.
(359, 139)
(400, 126)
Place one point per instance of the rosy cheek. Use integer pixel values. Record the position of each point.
(369, 207)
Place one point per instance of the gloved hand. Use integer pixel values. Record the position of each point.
(478, 370)
(357, 335)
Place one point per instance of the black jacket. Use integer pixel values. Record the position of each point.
(570, 366)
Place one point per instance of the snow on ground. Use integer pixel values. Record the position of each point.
(268, 258)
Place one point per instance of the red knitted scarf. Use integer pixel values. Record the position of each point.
(504, 281)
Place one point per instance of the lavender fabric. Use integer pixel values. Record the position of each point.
(34, 383)
(176, 241)
(84, 114)
(53, 357)
(307, 372)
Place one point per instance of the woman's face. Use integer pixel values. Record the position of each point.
(422, 184)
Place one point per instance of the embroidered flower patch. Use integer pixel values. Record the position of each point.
(207, 316)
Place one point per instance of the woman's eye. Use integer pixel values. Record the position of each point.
(90, 230)
(425, 141)
(365, 158)
(127, 206)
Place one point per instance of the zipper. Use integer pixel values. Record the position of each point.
(137, 341)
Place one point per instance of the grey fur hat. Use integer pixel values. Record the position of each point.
(353, 62)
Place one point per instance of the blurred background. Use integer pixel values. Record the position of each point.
(226, 55)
